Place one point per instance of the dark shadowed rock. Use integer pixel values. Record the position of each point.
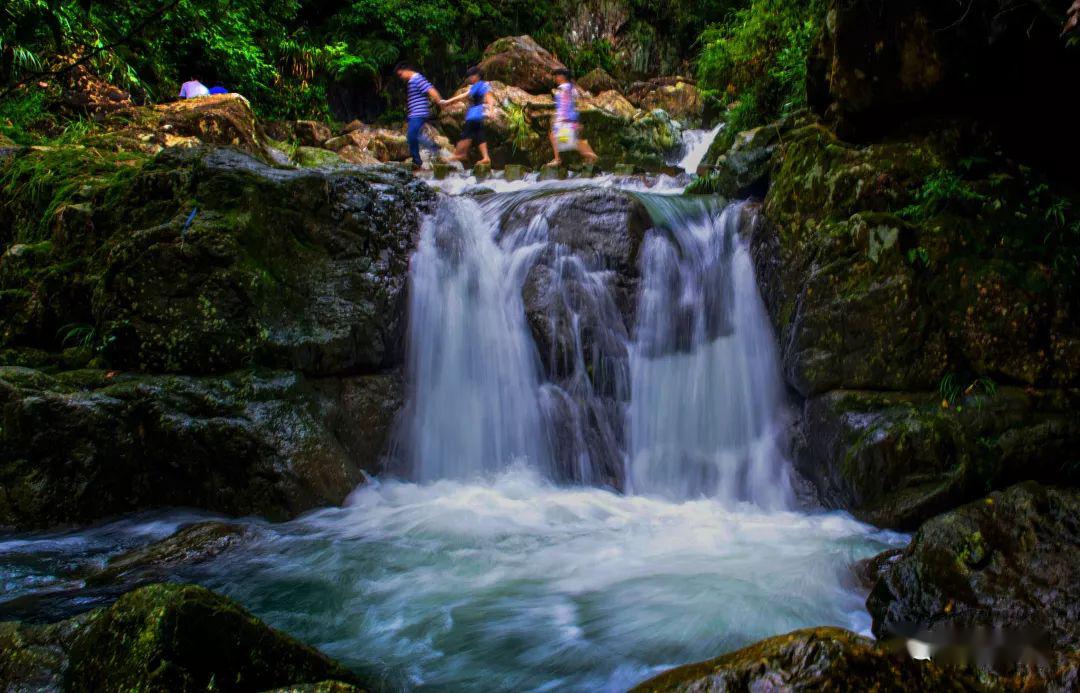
(187, 638)
(814, 659)
(34, 657)
(1006, 561)
(83, 445)
(883, 62)
(897, 459)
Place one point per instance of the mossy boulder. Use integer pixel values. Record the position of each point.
(82, 445)
(902, 273)
(896, 459)
(677, 96)
(1007, 561)
(597, 80)
(187, 638)
(34, 657)
(813, 659)
(206, 260)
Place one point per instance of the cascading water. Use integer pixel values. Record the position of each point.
(474, 406)
(706, 389)
(696, 145)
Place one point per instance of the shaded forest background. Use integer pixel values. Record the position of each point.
(333, 60)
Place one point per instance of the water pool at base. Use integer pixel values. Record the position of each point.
(518, 585)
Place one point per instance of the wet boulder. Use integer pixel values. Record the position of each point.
(522, 62)
(83, 445)
(812, 659)
(187, 638)
(189, 546)
(34, 657)
(896, 459)
(1007, 561)
(677, 96)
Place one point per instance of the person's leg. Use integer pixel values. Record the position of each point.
(413, 137)
(555, 148)
(426, 139)
(485, 157)
(586, 151)
(461, 151)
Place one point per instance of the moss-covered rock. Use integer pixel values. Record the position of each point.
(33, 657)
(906, 272)
(1007, 561)
(81, 445)
(186, 638)
(813, 659)
(896, 459)
(208, 260)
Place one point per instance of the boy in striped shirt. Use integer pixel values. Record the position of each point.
(420, 93)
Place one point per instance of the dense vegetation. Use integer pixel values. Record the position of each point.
(755, 60)
(299, 58)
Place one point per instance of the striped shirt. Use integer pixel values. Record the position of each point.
(418, 104)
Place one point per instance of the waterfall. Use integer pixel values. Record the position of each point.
(474, 404)
(519, 352)
(704, 416)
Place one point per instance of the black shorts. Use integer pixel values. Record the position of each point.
(474, 130)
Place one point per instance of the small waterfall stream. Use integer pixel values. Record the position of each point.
(705, 381)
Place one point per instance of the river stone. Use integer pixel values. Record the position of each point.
(34, 657)
(812, 659)
(187, 638)
(1006, 561)
(191, 545)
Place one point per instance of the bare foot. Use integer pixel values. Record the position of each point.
(554, 163)
(591, 158)
(484, 162)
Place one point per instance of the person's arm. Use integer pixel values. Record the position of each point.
(453, 99)
(489, 102)
(434, 95)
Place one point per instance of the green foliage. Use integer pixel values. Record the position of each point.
(957, 389)
(57, 174)
(517, 124)
(755, 60)
(943, 191)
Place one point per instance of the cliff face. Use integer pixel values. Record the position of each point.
(200, 329)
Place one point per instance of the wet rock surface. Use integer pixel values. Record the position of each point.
(1007, 561)
(82, 445)
(813, 659)
(933, 366)
(163, 637)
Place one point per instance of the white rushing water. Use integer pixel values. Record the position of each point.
(705, 412)
(696, 145)
(473, 406)
(518, 585)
